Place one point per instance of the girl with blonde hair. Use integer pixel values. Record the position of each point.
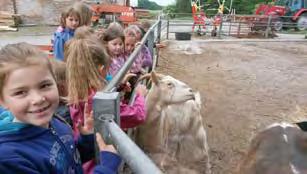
(86, 62)
(87, 67)
(145, 53)
(33, 139)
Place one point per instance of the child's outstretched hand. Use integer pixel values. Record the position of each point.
(137, 44)
(141, 90)
(127, 77)
(159, 45)
(88, 127)
(102, 145)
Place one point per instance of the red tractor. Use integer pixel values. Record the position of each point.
(123, 14)
(297, 9)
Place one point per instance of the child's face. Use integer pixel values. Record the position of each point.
(138, 35)
(30, 93)
(116, 46)
(129, 44)
(72, 22)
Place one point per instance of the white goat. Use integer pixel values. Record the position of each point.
(173, 133)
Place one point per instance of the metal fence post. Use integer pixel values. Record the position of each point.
(106, 110)
(159, 30)
(105, 106)
(239, 29)
(268, 27)
(167, 28)
(151, 42)
(221, 25)
(230, 23)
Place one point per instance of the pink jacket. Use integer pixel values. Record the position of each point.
(116, 64)
(147, 59)
(137, 64)
(131, 116)
(77, 116)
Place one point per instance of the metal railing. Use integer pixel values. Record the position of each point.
(241, 26)
(106, 111)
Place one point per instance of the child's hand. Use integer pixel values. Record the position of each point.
(137, 44)
(102, 145)
(128, 77)
(64, 99)
(88, 127)
(141, 90)
(159, 45)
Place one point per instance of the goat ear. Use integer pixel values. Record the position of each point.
(154, 78)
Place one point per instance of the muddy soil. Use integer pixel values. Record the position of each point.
(245, 86)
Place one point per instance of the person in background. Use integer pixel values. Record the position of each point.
(70, 21)
(59, 69)
(85, 12)
(145, 25)
(114, 39)
(86, 59)
(80, 51)
(130, 43)
(145, 53)
(85, 15)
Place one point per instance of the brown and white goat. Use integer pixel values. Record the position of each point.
(280, 148)
(173, 133)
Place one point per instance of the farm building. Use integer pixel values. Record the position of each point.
(43, 11)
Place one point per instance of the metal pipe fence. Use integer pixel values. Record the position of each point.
(106, 111)
(242, 26)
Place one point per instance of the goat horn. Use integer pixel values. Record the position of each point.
(160, 76)
(148, 75)
(154, 78)
(145, 76)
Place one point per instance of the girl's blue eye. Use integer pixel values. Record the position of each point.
(19, 93)
(46, 85)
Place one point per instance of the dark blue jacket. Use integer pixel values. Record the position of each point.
(31, 149)
(1, 109)
(60, 38)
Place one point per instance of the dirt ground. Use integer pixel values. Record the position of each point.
(245, 86)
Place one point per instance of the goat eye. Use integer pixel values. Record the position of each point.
(169, 84)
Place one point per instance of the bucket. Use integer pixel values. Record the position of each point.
(182, 36)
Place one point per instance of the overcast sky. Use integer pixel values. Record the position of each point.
(160, 2)
(163, 2)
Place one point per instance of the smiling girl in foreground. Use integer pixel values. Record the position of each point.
(32, 138)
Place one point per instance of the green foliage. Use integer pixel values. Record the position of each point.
(247, 6)
(170, 10)
(149, 5)
(183, 6)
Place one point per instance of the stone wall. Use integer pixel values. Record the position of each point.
(7, 5)
(46, 12)
(42, 11)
